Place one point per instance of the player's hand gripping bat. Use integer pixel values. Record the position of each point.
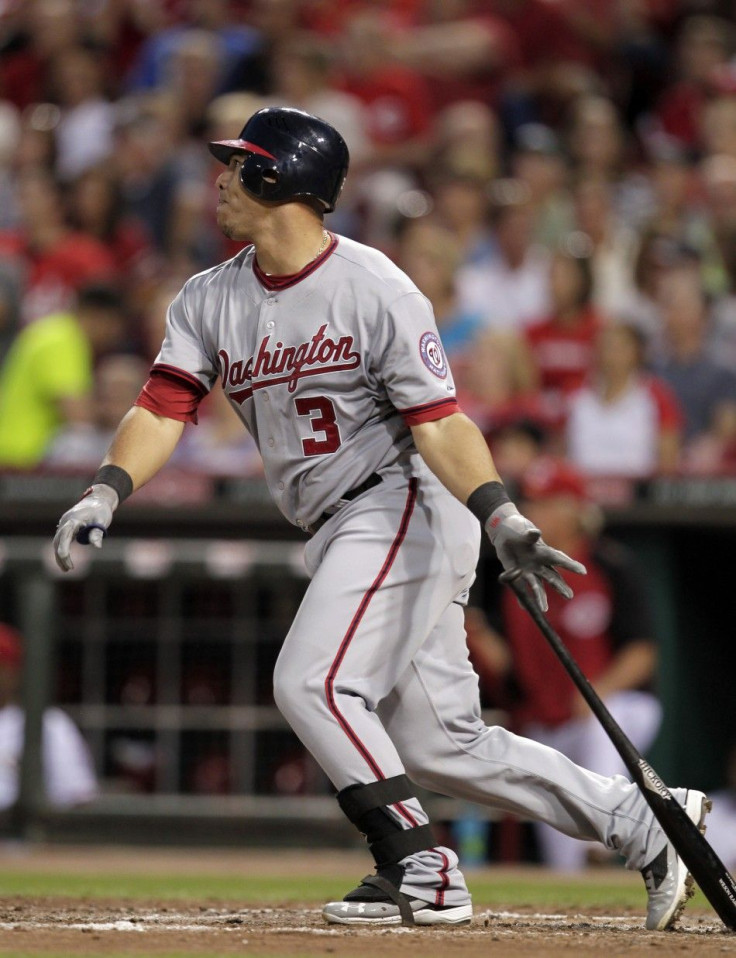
(702, 862)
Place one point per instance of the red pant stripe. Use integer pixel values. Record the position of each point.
(349, 635)
(444, 878)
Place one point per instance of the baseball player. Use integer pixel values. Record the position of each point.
(331, 357)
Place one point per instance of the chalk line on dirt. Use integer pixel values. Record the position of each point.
(211, 919)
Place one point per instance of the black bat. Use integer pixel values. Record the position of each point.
(702, 862)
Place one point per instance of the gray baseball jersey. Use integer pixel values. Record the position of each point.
(328, 370)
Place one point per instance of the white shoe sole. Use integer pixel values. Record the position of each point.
(460, 915)
(697, 805)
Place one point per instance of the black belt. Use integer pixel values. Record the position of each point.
(369, 483)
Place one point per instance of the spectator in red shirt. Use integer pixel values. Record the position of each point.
(396, 98)
(563, 345)
(397, 125)
(606, 626)
(328, 17)
(461, 48)
(542, 32)
(51, 260)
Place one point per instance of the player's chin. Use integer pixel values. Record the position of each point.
(222, 217)
(232, 230)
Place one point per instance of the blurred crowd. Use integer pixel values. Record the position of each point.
(557, 176)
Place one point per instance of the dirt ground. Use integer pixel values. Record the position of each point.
(55, 926)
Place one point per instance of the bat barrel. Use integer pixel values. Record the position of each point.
(704, 865)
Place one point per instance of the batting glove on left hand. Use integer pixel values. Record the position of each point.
(87, 522)
(522, 552)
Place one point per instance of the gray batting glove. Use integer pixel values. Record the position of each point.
(87, 522)
(523, 553)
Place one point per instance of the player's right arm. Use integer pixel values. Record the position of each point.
(143, 443)
(181, 376)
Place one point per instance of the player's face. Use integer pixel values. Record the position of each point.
(237, 211)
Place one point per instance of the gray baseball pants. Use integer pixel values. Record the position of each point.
(374, 678)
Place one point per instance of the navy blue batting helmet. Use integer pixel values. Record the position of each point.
(289, 154)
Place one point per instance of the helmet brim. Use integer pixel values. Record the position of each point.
(222, 150)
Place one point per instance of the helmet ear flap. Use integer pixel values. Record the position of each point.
(259, 177)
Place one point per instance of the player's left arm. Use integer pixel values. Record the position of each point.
(454, 449)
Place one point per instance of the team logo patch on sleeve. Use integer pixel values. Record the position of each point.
(433, 356)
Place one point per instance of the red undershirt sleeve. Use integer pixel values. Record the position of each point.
(172, 393)
(430, 411)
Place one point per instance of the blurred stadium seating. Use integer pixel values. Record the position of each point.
(558, 177)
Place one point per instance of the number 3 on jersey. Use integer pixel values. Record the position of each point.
(323, 422)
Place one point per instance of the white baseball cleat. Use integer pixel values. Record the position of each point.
(387, 913)
(669, 883)
(378, 900)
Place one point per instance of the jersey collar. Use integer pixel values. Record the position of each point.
(275, 283)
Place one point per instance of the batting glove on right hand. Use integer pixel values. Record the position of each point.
(523, 553)
(87, 522)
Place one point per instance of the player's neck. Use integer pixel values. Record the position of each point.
(286, 247)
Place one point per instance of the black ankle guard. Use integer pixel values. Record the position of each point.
(392, 892)
(385, 884)
(365, 806)
(355, 800)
